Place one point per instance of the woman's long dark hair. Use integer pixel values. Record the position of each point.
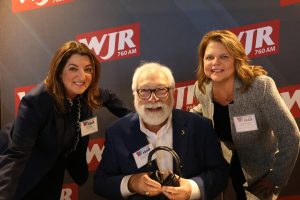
(54, 82)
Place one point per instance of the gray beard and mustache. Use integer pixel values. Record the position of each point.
(153, 118)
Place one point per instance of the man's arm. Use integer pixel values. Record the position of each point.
(108, 176)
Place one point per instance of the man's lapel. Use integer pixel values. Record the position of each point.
(180, 136)
(136, 139)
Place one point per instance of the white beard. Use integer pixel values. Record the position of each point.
(153, 118)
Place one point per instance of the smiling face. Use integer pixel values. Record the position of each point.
(218, 63)
(154, 111)
(77, 75)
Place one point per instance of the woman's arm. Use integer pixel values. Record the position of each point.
(286, 131)
(113, 103)
(23, 134)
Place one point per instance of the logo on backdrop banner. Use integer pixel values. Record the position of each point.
(291, 97)
(288, 2)
(94, 153)
(69, 192)
(19, 94)
(23, 5)
(259, 39)
(184, 95)
(114, 43)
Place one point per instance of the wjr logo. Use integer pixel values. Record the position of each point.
(20, 93)
(41, 3)
(259, 39)
(69, 192)
(291, 97)
(94, 153)
(115, 43)
(23, 5)
(184, 95)
(288, 2)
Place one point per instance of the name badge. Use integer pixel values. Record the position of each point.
(89, 126)
(141, 155)
(245, 123)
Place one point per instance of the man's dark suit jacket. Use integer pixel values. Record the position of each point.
(36, 145)
(193, 139)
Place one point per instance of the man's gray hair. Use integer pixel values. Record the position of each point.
(152, 67)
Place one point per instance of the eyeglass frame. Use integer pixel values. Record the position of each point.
(153, 91)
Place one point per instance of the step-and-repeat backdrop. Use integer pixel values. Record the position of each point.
(123, 33)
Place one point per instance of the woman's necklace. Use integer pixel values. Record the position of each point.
(70, 101)
(78, 130)
(222, 97)
(229, 99)
(222, 92)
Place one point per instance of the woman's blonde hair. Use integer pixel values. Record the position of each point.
(243, 70)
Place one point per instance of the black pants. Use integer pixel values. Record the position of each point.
(237, 177)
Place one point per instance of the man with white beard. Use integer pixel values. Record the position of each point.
(124, 168)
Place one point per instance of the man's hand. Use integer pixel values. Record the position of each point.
(182, 192)
(143, 184)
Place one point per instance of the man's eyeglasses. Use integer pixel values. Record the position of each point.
(159, 93)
